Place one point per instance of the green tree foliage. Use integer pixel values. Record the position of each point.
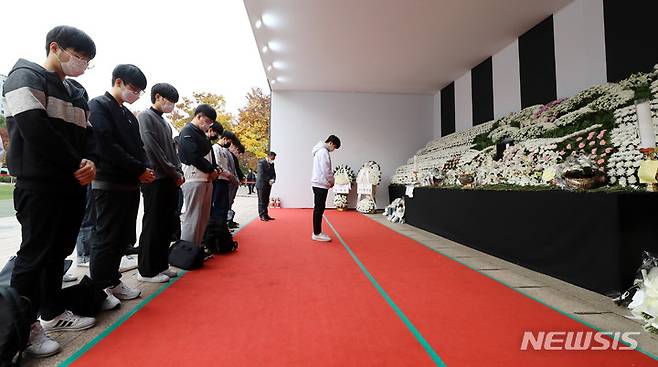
(184, 111)
(253, 126)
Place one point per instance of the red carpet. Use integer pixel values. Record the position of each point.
(468, 318)
(281, 300)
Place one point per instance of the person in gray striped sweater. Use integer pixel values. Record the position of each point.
(161, 195)
(52, 154)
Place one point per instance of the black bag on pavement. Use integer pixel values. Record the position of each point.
(84, 298)
(218, 239)
(5, 273)
(14, 326)
(186, 255)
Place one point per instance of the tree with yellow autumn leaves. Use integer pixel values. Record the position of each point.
(251, 126)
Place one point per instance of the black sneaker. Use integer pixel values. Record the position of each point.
(207, 254)
(233, 224)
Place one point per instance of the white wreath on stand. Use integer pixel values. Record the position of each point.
(370, 175)
(344, 176)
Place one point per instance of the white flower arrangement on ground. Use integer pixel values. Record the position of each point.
(340, 201)
(645, 300)
(343, 175)
(395, 211)
(369, 174)
(366, 205)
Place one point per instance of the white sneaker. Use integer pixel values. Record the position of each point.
(160, 278)
(123, 292)
(67, 278)
(68, 321)
(171, 273)
(110, 302)
(128, 262)
(322, 237)
(40, 345)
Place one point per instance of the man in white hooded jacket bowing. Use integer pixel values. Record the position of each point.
(322, 180)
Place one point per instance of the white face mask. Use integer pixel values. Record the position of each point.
(128, 96)
(167, 107)
(74, 67)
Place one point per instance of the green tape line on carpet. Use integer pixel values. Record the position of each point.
(125, 317)
(419, 337)
(117, 323)
(564, 313)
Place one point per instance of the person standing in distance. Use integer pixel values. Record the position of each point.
(265, 177)
(251, 180)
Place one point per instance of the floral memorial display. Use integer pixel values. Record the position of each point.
(370, 175)
(395, 211)
(642, 297)
(343, 178)
(588, 141)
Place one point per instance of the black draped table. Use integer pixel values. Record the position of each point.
(593, 240)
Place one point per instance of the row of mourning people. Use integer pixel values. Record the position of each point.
(80, 165)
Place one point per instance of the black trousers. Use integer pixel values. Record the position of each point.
(175, 236)
(263, 200)
(83, 245)
(220, 200)
(160, 205)
(116, 217)
(319, 200)
(251, 189)
(49, 225)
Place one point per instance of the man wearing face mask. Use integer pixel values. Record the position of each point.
(122, 167)
(160, 196)
(52, 155)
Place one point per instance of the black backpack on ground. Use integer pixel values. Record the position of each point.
(186, 255)
(84, 298)
(14, 326)
(218, 239)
